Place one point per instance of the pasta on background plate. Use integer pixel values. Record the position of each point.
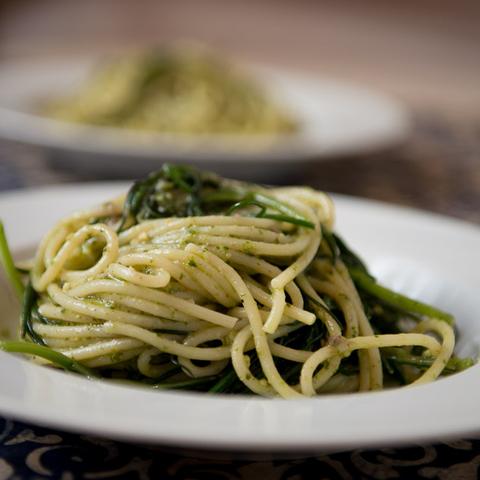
(174, 91)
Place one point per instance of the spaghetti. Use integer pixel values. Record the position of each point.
(194, 281)
(176, 91)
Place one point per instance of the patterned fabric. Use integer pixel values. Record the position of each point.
(444, 157)
(28, 452)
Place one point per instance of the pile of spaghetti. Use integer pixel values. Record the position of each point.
(193, 281)
(177, 91)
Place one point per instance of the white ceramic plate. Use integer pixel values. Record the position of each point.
(336, 119)
(432, 257)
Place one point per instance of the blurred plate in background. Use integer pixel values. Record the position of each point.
(336, 119)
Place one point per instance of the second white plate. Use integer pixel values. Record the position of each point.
(336, 119)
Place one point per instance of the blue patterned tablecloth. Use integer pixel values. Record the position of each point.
(31, 452)
(439, 155)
